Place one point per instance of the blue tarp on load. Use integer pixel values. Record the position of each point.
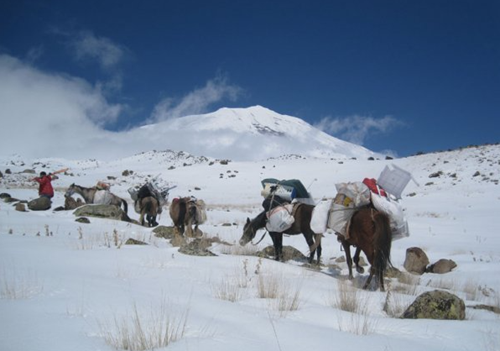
(299, 189)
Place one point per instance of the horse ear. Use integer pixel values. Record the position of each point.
(248, 220)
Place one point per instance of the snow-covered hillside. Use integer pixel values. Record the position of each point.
(68, 286)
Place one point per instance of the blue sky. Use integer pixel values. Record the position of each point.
(407, 76)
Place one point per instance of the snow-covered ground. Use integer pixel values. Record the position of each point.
(70, 286)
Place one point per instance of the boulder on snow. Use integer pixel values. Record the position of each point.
(41, 204)
(442, 266)
(289, 253)
(165, 232)
(197, 247)
(436, 304)
(72, 204)
(102, 211)
(20, 207)
(416, 260)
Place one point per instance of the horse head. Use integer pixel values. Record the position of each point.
(71, 190)
(249, 232)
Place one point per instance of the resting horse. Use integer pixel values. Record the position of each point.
(302, 224)
(186, 212)
(96, 196)
(149, 207)
(369, 231)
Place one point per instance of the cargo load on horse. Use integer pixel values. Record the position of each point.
(154, 188)
(281, 199)
(355, 195)
(291, 189)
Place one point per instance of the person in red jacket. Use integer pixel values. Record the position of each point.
(45, 185)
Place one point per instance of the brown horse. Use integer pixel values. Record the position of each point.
(148, 207)
(302, 224)
(186, 212)
(369, 231)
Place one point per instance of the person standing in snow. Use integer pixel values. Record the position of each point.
(45, 188)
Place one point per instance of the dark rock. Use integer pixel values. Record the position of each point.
(72, 204)
(102, 211)
(83, 220)
(289, 253)
(436, 304)
(131, 241)
(197, 247)
(41, 204)
(442, 266)
(436, 174)
(165, 232)
(10, 200)
(4, 195)
(489, 308)
(20, 207)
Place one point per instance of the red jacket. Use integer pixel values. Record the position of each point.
(45, 187)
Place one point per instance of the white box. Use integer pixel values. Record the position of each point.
(394, 180)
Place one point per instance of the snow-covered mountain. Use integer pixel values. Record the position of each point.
(239, 134)
(252, 133)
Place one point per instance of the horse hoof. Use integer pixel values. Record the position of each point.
(360, 270)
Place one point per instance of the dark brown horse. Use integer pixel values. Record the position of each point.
(148, 208)
(301, 224)
(186, 212)
(369, 231)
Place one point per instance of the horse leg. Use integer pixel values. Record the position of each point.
(319, 248)
(278, 245)
(312, 245)
(347, 249)
(359, 269)
(368, 281)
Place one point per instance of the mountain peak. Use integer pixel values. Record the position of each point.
(254, 132)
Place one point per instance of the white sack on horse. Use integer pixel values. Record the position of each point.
(201, 213)
(393, 209)
(339, 217)
(103, 197)
(319, 218)
(280, 219)
(358, 192)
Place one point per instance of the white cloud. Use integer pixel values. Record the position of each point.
(34, 53)
(356, 129)
(49, 114)
(196, 102)
(89, 47)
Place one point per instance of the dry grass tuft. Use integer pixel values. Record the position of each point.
(144, 331)
(15, 284)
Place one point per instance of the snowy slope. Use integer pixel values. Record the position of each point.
(73, 283)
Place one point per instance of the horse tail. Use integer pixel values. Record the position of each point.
(147, 207)
(182, 211)
(383, 242)
(125, 206)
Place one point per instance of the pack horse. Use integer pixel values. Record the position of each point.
(187, 212)
(301, 225)
(96, 196)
